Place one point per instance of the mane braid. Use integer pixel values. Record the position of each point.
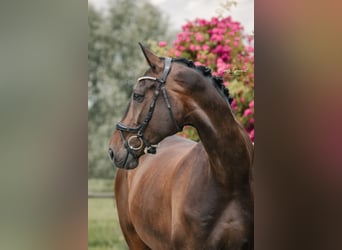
(218, 81)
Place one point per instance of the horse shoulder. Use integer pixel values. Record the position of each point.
(151, 211)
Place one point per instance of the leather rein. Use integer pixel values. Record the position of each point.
(139, 130)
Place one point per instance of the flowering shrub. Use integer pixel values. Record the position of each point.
(221, 45)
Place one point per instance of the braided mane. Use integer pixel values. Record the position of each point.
(218, 81)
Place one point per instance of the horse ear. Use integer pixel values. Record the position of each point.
(154, 61)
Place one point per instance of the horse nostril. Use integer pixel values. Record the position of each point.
(111, 154)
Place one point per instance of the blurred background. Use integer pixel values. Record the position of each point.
(219, 35)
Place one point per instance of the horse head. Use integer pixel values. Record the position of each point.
(155, 111)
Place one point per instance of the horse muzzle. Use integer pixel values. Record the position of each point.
(123, 159)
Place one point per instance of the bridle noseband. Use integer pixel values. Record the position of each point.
(139, 130)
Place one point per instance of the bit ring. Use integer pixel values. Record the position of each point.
(135, 147)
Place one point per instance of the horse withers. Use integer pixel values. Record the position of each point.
(171, 192)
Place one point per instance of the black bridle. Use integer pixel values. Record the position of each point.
(139, 130)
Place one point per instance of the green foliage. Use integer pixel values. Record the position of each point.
(114, 63)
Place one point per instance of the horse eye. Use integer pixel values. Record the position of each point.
(138, 97)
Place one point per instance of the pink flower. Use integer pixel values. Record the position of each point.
(216, 37)
(250, 38)
(205, 47)
(225, 57)
(192, 47)
(250, 49)
(226, 48)
(218, 49)
(221, 66)
(199, 37)
(181, 48)
(180, 37)
(177, 53)
(247, 112)
(201, 56)
(251, 135)
(234, 104)
(162, 44)
(251, 104)
(186, 26)
(201, 22)
(214, 20)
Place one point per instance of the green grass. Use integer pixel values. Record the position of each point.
(104, 232)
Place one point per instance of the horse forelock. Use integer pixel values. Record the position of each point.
(206, 72)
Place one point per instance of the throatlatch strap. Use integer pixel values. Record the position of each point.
(168, 105)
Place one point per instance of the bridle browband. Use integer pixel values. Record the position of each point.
(139, 130)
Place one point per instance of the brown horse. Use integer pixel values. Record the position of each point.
(187, 195)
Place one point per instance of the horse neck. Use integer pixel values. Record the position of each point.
(226, 142)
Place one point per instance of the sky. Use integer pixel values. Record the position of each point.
(180, 11)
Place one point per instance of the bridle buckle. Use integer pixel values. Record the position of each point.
(152, 149)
